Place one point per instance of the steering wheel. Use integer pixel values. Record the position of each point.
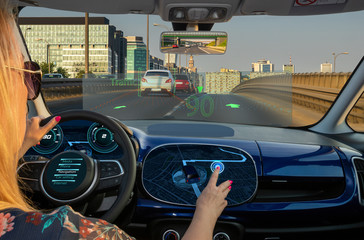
(84, 175)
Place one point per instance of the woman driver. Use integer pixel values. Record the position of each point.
(18, 219)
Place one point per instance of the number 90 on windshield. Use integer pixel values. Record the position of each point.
(204, 105)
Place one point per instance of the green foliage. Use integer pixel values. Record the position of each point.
(213, 43)
(223, 44)
(81, 74)
(44, 67)
(63, 71)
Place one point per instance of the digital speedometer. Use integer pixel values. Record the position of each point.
(50, 142)
(101, 138)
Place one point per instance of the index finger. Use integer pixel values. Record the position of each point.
(214, 177)
(50, 124)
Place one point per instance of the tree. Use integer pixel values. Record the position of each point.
(44, 67)
(63, 71)
(81, 74)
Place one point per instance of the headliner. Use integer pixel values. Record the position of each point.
(234, 7)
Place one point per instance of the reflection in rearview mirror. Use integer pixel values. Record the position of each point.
(194, 43)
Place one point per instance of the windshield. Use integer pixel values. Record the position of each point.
(277, 71)
(158, 74)
(181, 77)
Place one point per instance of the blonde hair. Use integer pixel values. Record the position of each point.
(10, 133)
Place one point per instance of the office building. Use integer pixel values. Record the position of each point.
(61, 41)
(288, 68)
(191, 65)
(221, 82)
(228, 70)
(253, 75)
(156, 63)
(136, 57)
(326, 67)
(170, 60)
(262, 66)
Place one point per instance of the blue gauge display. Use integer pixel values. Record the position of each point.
(50, 142)
(101, 139)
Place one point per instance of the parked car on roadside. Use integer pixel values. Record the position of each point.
(53, 75)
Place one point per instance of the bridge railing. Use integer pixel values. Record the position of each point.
(61, 88)
(313, 91)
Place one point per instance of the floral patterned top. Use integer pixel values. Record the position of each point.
(62, 223)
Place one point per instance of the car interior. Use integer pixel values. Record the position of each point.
(143, 171)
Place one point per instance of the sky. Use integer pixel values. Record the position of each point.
(309, 40)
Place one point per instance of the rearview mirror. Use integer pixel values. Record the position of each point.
(194, 43)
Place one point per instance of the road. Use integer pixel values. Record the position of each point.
(195, 50)
(230, 108)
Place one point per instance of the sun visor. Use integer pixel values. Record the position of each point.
(94, 6)
(299, 7)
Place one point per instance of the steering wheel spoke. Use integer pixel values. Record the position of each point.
(30, 171)
(111, 174)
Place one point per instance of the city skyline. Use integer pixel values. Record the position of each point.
(258, 37)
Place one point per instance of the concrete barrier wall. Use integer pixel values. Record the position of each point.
(61, 88)
(314, 91)
(322, 80)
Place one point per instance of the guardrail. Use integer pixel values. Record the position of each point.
(72, 87)
(314, 91)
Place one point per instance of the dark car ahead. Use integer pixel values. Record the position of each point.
(183, 83)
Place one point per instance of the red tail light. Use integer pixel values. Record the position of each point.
(144, 80)
(169, 81)
(187, 83)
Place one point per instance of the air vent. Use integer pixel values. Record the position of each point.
(359, 166)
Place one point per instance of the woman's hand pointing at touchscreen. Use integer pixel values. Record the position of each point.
(209, 207)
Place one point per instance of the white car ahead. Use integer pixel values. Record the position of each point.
(157, 81)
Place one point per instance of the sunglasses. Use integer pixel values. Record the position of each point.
(32, 78)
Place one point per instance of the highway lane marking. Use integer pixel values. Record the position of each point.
(203, 50)
(175, 108)
(233, 105)
(118, 107)
(112, 100)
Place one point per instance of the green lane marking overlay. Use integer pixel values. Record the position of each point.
(232, 105)
(118, 107)
(199, 88)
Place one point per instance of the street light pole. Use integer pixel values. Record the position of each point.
(87, 46)
(26, 30)
(48, 61)
(164, 26)
(147, 42)
(335, 56)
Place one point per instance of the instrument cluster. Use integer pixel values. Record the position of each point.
(91, 138)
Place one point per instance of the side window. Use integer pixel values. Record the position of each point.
(355, 118)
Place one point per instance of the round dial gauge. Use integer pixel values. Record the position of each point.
(101, 139)
(51, 141)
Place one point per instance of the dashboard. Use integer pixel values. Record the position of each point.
(273, 171)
